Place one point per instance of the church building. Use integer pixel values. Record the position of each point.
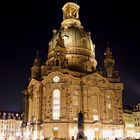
(68, 84)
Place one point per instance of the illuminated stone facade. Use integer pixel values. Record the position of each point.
(69, 83)
(132, 121)
(136, 119)
(129, 122)
(10, 125)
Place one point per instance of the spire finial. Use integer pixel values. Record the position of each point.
(109, 62)
(108, 52)
(37, 53)
(37, 59)
(35, 70)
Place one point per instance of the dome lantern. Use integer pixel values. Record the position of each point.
(70, 14)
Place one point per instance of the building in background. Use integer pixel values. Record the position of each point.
(69, 83)
(129, 122)
(10, 125)
(136, 118)
(132, 121)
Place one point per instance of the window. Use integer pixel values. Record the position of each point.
(56, 79)
(95, 117)
(109, 105)
(75, 100)
(65, 38)
(56, 104)
(110, 114)
(75, 105)
(57, 62)
(55, 128)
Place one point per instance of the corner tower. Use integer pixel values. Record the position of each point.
(79, 47)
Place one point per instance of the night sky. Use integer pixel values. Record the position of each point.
(26, 28)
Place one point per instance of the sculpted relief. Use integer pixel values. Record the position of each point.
(90, 81)
(95, 80)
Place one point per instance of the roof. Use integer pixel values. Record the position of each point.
(127, 109)
(4, 115)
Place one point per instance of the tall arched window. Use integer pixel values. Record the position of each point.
(56, 104)
(75, 105)
(57, 62)
(75, 100)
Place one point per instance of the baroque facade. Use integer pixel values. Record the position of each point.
(68, 83)
(129, 122)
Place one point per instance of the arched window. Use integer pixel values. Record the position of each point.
(57, 62)
(56, 104)
(75, 100)
(75, 105)
(95, 117)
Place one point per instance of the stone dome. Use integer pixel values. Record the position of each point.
(80, 50)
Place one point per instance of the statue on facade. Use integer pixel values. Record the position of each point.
(80, 134)
(80, 119)
(60, 40)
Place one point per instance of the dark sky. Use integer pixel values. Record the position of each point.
(25, 27)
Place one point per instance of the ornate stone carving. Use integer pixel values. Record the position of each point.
(90, 80)
(60, 40)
